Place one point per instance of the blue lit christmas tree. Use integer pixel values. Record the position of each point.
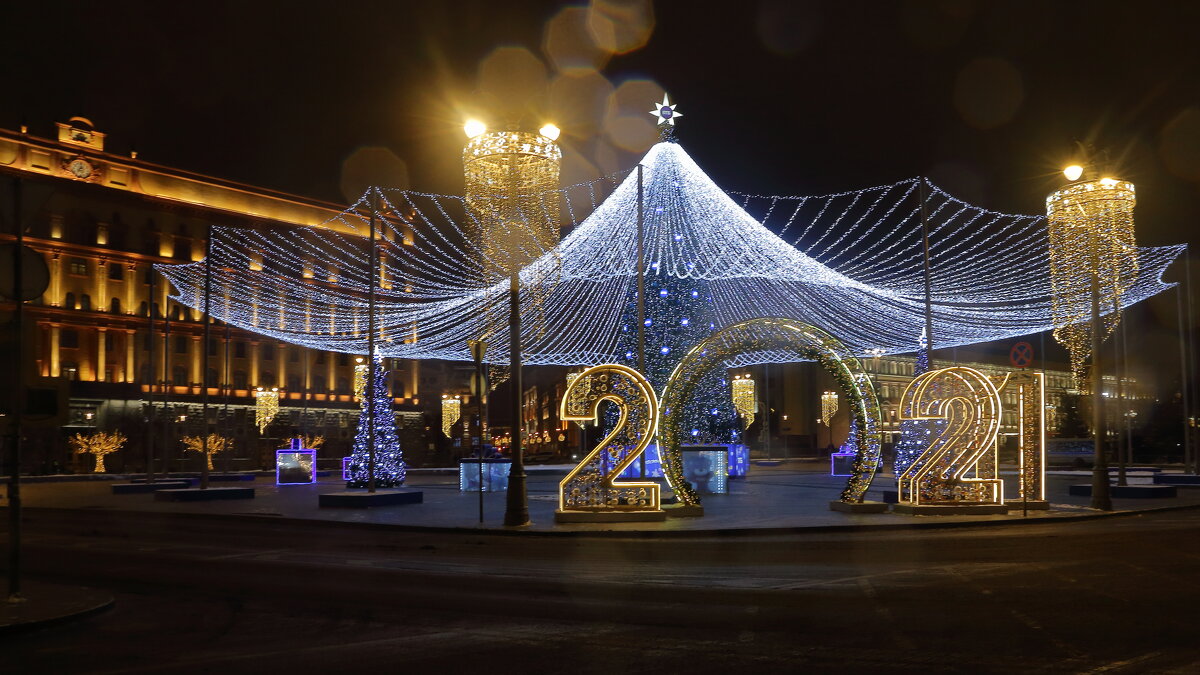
(389, 460)
(915, 435)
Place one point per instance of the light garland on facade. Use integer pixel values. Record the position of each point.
(855, 269)
(1091, 233)
(266, 407)
(744, 398)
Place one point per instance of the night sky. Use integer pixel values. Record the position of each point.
(778, 97)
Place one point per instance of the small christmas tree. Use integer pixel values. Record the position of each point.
(916, 435)
(98, 445)
(389, 460)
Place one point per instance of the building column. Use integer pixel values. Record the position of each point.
(56, 295)
(101, 334)
(414, 373)
(281, 360)
(102, 285)
(253, 364)
(131, 284)
(197, 376)
(55, 329)
(130, 356)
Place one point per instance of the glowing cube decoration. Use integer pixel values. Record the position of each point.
(295, 465)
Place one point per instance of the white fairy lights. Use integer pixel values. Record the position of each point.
(854, 268)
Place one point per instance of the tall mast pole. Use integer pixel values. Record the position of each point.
(371, 349)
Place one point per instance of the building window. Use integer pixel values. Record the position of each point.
(294, 354)
(175, 314)
(320, 358)
(212, 347)
(147, 341)
(70, 370)
(179, 376)
(143, 309)
(108, 341)
(212, 377)
(85, 302)
(69, 301)
(181, 343)
(294, 383)
(116, 271)
(68, 338)
(240, 381)
(115, 306)
(343, 359)
(77, 266)
(148, 277)
(266, 379)
(239, 351)
(183, 248)
(343, 385)
(320, 385)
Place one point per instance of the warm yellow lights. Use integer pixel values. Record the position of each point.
(1073, 172)
(959, 465)
(592, 486)
(550, 131)
(266, 407)
(98, 445)
(743, 398)
(1090, 224)
(360, 378)
(451, 412)
(474, 128)
(1030, 390)
(829, 406)
(216, 444)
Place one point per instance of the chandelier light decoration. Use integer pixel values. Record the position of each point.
(266, 407)
(850, 263)
(511, 194)
(360, 380)
(829, 407)
(451, 412)
(1090, 226)
(743, 398)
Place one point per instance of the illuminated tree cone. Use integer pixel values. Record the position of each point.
(389, 460)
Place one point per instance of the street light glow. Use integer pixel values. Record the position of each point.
(550, 131)
(1073, 172)
(474, 128)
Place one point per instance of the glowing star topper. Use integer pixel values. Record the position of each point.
(665, 112)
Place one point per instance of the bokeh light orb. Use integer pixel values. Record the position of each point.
(620, 26)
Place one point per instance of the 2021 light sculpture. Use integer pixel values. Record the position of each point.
(593, 487)
(959, 465)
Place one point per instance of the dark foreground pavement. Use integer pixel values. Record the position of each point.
(204, 594)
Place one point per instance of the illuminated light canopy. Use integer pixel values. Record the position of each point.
(451, 412)
(266, 407)
(849, 262)
(1091, 232)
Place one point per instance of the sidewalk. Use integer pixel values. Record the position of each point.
(769, 500)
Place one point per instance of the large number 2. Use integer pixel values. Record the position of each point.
(949, 470)
(592, 485)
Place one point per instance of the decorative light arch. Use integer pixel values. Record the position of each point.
(771, 336)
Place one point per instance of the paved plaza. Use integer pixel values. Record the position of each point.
(792, 496)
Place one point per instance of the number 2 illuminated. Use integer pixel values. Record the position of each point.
(592, 486)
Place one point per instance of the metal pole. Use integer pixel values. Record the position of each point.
(517, 511)
(18, 409)
(924, 211)
(152, 361)
(1187, 269)
(1183, 380)
(1126, 413)
(228, 386)
(478, 351)
(204, 359)
(641, 292)
(371, 351)
(1118, 347)
(767, 409)
(166, 394)
(1100, 493)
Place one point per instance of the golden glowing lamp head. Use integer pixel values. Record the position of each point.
(1108, 182)
(550, 131)
(474, 128)
(1073, 172)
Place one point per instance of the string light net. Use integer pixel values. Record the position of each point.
(850, 263)
(1091, 233)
